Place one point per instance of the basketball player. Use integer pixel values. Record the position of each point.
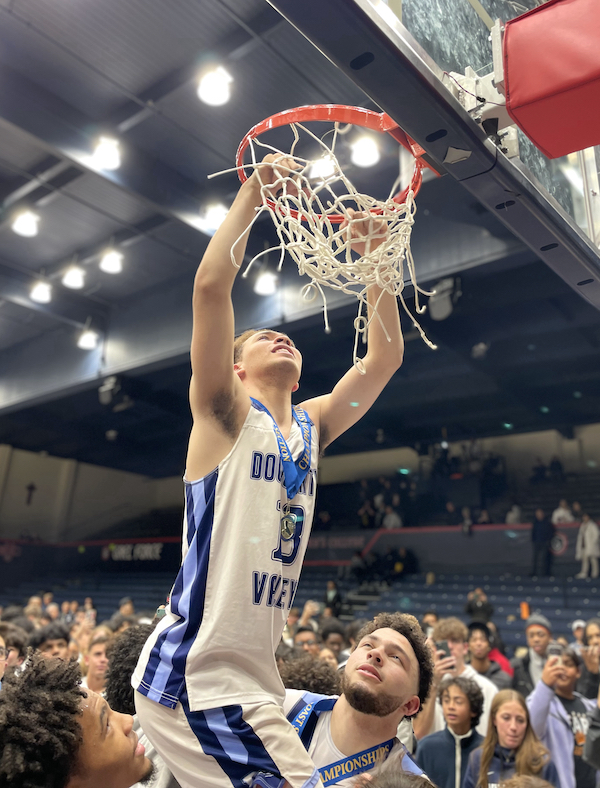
(385, 680)
(208, 690)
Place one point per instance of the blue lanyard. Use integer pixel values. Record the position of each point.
(294, 472)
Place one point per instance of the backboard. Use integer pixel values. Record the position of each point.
(401, 53)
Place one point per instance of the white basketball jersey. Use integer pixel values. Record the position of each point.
(238, 578)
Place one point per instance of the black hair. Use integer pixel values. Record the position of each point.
(479, 626)
(53, 631)
(123, 655)
(40, 734)
(470, 689)
(573, 656)
(310, 674)
(308, 629)
(14, 637)
(333, 627)
(406, 625)
(354, 628)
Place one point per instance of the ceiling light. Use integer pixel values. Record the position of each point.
(322, 168)
(26, 224)
(74, 277)
(480, 350)
(444, 445)
(112, 262)
(507, 425)
(212, 218)
(41, 293)
(544, 409)
(265, 284)
(214, 87)
(88, 339)
(577, 394)
(365, 152)
(107, 155)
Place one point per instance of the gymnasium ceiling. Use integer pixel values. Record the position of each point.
(70, 72)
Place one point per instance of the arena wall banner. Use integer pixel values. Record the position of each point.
(437, 548)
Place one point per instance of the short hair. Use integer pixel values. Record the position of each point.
(573, 656)
(469, 688)
(40, 734)
(11, 612)
(240, 341)
(406, 625)
(53, 631)
(308, 629)
(123, 655)
(333, 627)
(451, 628)
(310, 674)
(525, 781)
(479, 626)
(14, 637)
(390, 773)
(354, 628)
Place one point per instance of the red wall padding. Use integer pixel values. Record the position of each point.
(552, 75)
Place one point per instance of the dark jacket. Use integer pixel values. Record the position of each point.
(502, 768)
(436, 755)
(498, 676)
(522, 678)
(542, 530)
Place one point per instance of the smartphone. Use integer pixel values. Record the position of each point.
(555, 650)
(442, 645)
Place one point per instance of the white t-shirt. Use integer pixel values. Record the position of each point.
(487, 688)
(323, 752)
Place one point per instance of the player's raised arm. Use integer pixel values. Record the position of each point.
(334, 412)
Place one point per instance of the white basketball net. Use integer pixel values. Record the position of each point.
(321, 250)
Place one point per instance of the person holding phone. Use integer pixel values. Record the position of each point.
(559, 716)
(449, 649)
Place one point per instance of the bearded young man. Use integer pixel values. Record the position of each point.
(386, 679)
(208, 691)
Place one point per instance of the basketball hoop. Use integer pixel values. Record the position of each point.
(338, 113)
(307, 211)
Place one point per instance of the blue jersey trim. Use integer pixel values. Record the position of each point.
(164, 677)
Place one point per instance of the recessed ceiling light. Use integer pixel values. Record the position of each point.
(214, 87)
(111, 262)
(365, 152)
(88, 339)
(577, 394)
(74, 277)
(26, 224)
(41, 293)
(212, 218)
(544, 409)
(107, 155)
(266, 283)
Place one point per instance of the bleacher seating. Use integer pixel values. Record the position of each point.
(561, 600)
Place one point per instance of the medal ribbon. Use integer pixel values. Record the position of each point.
(294, 473)
(355, 764)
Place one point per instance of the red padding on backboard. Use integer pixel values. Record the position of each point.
(552, 75)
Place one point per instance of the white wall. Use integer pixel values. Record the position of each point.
(73, 500)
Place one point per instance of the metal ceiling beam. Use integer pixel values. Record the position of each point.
(235, 46)
(66, 306)
(369, 44)
(68, 133)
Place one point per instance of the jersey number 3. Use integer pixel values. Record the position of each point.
(287, 550)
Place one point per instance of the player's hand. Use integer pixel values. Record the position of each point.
(273, 169)
(365, 226)
(591, 658)
(553, 670)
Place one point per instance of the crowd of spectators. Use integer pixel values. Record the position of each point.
(466, 715)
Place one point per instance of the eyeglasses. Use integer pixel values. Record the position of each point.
(3, 653)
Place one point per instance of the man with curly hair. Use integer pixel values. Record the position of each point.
(54, 734)
(386, 679)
